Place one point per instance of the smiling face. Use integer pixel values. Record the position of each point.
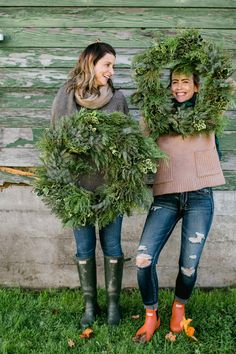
(104, 69)
(183, 86)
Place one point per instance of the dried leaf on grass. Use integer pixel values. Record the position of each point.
(71, 343)
(135, 317)
(87, 333)
(170, 337)
(185, 323)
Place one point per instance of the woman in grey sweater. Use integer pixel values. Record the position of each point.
(90, 86)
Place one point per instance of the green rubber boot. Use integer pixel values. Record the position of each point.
(88, 282)
(113, 278)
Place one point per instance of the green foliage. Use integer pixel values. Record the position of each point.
(43, 322)
(190, 51)
(105, 147)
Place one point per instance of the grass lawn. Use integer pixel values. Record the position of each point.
(44, 321)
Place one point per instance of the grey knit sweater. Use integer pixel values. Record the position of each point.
(64, 105)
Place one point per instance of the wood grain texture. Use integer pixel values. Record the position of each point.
(28, 137)
(129, 3)
(56, 57)
(54, 78)
(14, 179)
(18, 149)
(25, 117)
(43, 40)
(230, 177)
(34, 118)
(119, 37)
(64, 57)
(117, 17)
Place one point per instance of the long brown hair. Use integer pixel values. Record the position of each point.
(82, 75)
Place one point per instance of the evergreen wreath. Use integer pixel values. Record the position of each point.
(94, 143)
(192, 53)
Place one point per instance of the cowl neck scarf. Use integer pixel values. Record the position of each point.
(94, 101)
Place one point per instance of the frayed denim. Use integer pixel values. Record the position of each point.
(196, 211)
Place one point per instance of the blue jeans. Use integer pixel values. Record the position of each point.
(196, 211)
(110, 239)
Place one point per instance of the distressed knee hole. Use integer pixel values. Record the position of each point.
(188, 271)
(143, 260)
(197, 238)
(142, 248)
(193, 256)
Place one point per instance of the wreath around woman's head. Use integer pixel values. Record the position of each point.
(94, 167)
(191, 52)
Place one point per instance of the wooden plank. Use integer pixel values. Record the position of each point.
(38, 78)
(27, 98)
(228, 141)
(54, 78)
(34, 118)
(228, 161)
(19, 140)
(14, 179)
(57, 57)
(126, 3)
(230, 177)
(95, 17)
(231, 116)
(119, 37)
(35, 99)
(25, 118)
(15, 157)
(19, 137)
(62, 58)
(27, 137)
(28, 117)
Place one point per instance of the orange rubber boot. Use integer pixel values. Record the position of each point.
(178, 313)
(151, 324)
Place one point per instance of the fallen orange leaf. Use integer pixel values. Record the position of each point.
(71, 343)
(188, 329)
(87, 333)
(170, 336)
(185, 323)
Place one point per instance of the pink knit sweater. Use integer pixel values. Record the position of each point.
(193, 164)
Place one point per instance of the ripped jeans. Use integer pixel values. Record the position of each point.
(196, 211)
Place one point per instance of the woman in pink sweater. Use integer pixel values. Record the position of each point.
(182, 190)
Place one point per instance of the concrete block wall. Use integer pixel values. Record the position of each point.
(36, 252)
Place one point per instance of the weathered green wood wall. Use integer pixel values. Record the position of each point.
(43, 39)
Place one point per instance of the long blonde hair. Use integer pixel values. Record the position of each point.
(82, 76)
